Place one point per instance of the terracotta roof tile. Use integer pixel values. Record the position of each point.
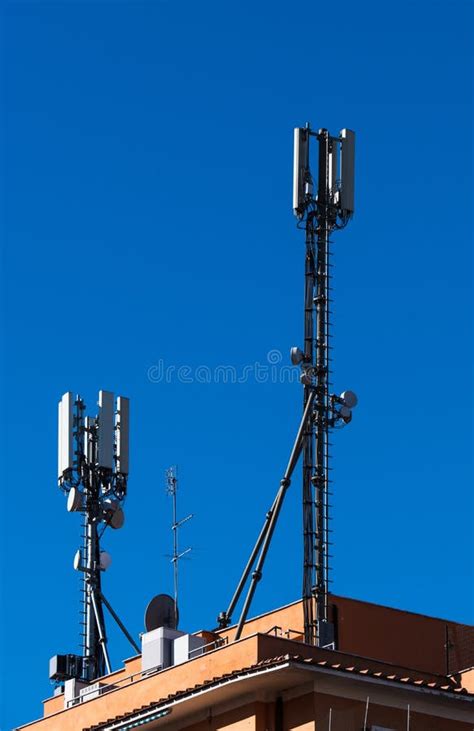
(445, 684)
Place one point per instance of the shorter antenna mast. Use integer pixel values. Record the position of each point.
(172, 489)
(93, 457)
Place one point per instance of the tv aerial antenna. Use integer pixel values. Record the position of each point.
(93, 464)
(321, 208)
(172, 491)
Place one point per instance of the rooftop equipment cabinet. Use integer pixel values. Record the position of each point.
(157, 648)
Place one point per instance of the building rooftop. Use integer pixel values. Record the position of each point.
(424, 662)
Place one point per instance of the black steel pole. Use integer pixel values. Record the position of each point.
(121, 624)
(100, 630)
(225, 618)
(284, 484)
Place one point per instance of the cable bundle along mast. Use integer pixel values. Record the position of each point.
(319, 214)
(93, 464)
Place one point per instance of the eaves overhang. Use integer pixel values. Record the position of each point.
(284, 675)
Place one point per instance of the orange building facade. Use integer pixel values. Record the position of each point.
(392, 671)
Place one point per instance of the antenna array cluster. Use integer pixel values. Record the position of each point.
(100, 442)
(336, 173)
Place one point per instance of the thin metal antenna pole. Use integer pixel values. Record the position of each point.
(175, 554)
(172, 489)
(175, 546)
(284, 484)
(121, 625)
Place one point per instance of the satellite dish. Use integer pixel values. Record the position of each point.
(105, 560)
(349, 398)
(113, 513)
(74, 500)
(161, 612)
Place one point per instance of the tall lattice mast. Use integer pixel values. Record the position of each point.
(330, 209)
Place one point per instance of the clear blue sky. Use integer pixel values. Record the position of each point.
(147, 218)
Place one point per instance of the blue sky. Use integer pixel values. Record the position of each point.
(147, 220)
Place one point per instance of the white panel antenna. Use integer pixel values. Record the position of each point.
(105, 431)
(65, 433)
(60, 441)
(122, 429)
(301, 177)
(333, 179)
(347, 170)
(89, 423)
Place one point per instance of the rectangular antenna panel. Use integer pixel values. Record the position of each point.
(122, 426)
(60, 448)
(88, 441)
(105, 432)
(65, 433)
(333, 155)
(347, 170)
(300, 169)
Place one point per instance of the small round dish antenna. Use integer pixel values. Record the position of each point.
(349, 398)
(77, 560)
(113, 513)
(74, 500)
(346, 414)
(296, 356)
(117, 519)
(105, 560)
(161, 612)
